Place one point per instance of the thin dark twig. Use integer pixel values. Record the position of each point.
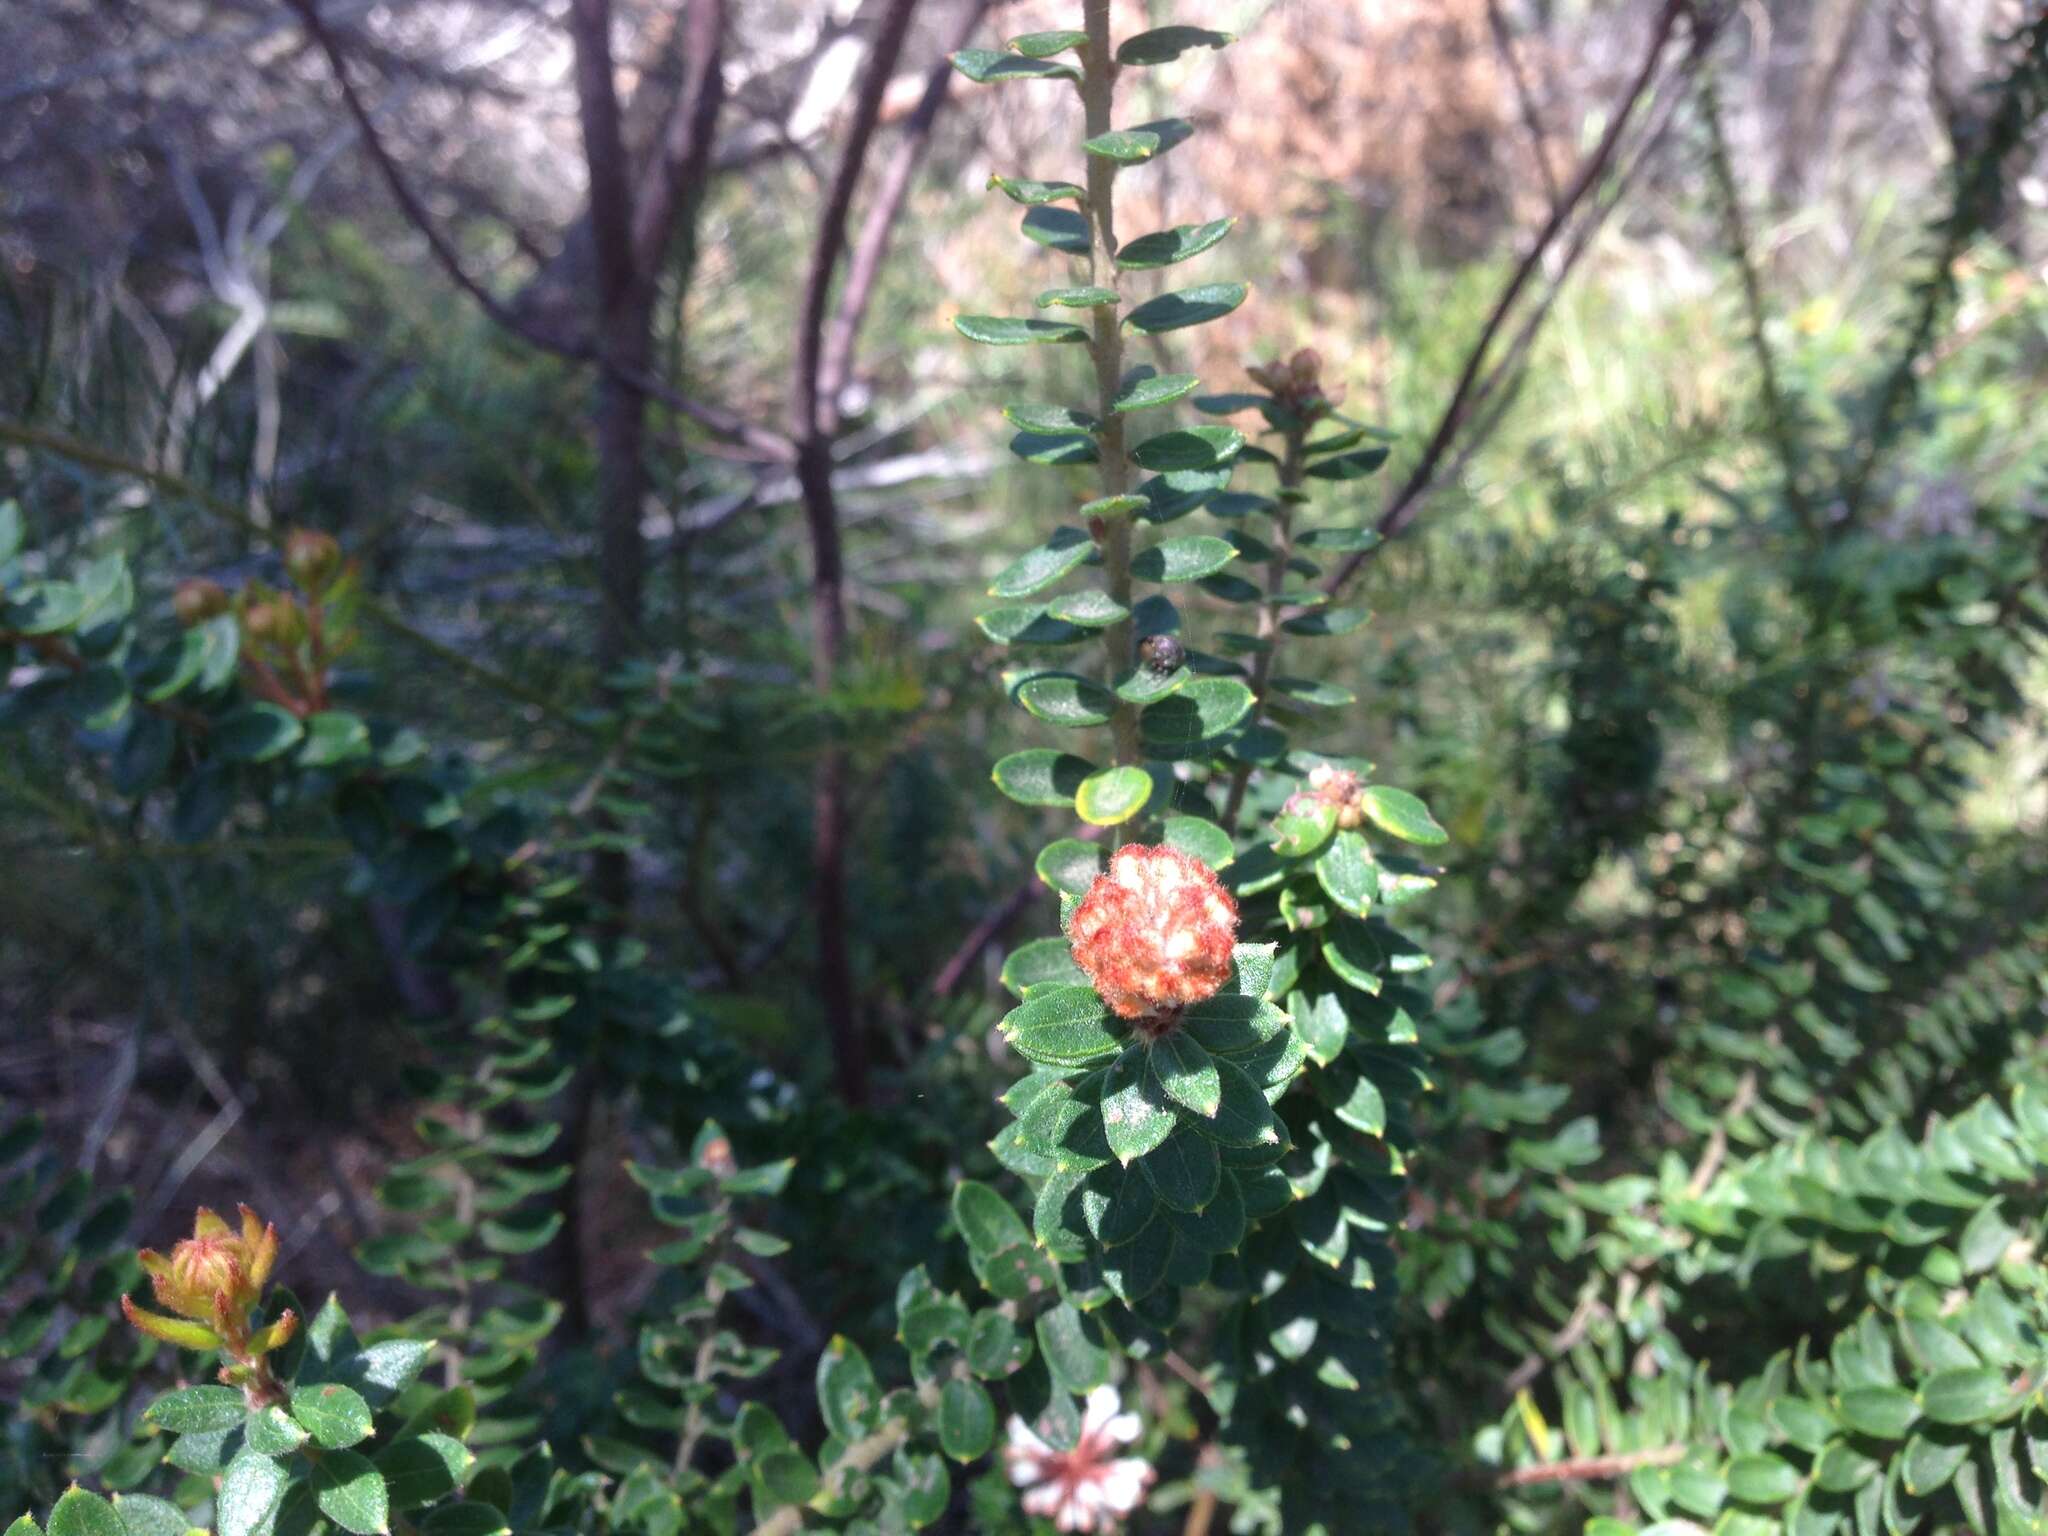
(811, 430)
(835, 365)
(1406, 502)
(1525, 97)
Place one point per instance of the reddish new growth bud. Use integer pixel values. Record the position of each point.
(312, 559)
(1331, 786)
(212, 1280)
(1298, 384)
(1154, 934)
(198, 600)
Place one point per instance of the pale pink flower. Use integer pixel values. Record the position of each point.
(1089, 1488)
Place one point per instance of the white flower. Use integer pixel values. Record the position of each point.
(1089, 1488)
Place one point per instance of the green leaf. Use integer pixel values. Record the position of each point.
(1190, 306)
(1070, 866)
(1243, 1118)
(1041, 776)
(1056, 420)
(351, 1493)
(1297, 834)
(989, 66)
(1126, 146)
(1186, 1073)
(1199, 839)
(1136, 1116)
(142, 1515)
(986, 1220)
(469, 1517)
(250, 1491)
(1058, 229)
(78, 1513)
(381, 1371)
(191, 1409)
(1113, 796)
(967, 1420)
(1348, 466)
(336, 1415)
(1062, 1026)
(1966, 1395)
(1061, 698)
(1183, 559)
(1198, 712)
(995, 1348)
(1363, 1109)
(43, 608)
(1398, 812)
(1056, 1219)
(1349, 950)
(1066, 1342)
(1043, 45)
(255, 733)
(10, 531)
(1348, 873)
(1326, 623)
(1036, 194)
(1135, 1269)
(1078, 298)
(998, 331)
(274, 1432)
(1089, 609)
(849, 1396)
(1040, 568)
(1056, 448)
(1189, 448)
(1164, 44)
(1762, 1479)
(1155, 389)
(333, 737)
(1184, 1171)
(1884, 1412)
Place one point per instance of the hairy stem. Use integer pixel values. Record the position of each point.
(1098, 88)
(1292, 464)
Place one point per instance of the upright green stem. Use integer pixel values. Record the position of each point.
(1098, 88)
(1292, 464)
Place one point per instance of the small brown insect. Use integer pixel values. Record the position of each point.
(1162, 654)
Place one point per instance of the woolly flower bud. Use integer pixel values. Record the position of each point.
(311, 558)
(277, 622)
(1155, 932)
(198, 600)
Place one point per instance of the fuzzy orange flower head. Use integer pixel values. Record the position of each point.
(1154, 934)
(211, 1282)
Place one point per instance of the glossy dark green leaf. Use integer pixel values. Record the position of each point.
(1161, 45)
(1199, 839)
(1762, 1479)
(1036, 194)
(255, 733)
(1062, 1026)
(1397, 811)
(1056, 449)
(1348, 466)
(1163, 248)
(1348, 874)
(1001, 331)
(1966, 1395)
(1186, 1073)
(1182, 559)
(1883, 1412)
(1337, 540)
(990, 66)
(1043, 45)
(332, 737)
(1190, 306)
(1041, 567)
(967, 1420)
(79, 1513)
(1155, 389)
(1060, 698)
(1083, 297)
(1041, 776)
(1326, 623)
(199, 1408)
(1198, 712)
(1058, 229)
(1184, 1170)
(334, 1415)
(1189, 448)
(1113, 796)
(1136, 1115)
(250, 1490)
(1068, 1344)
(1088, 609)
(1071, 865)
(848, 1393)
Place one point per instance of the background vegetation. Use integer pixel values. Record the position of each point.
(612, 343)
